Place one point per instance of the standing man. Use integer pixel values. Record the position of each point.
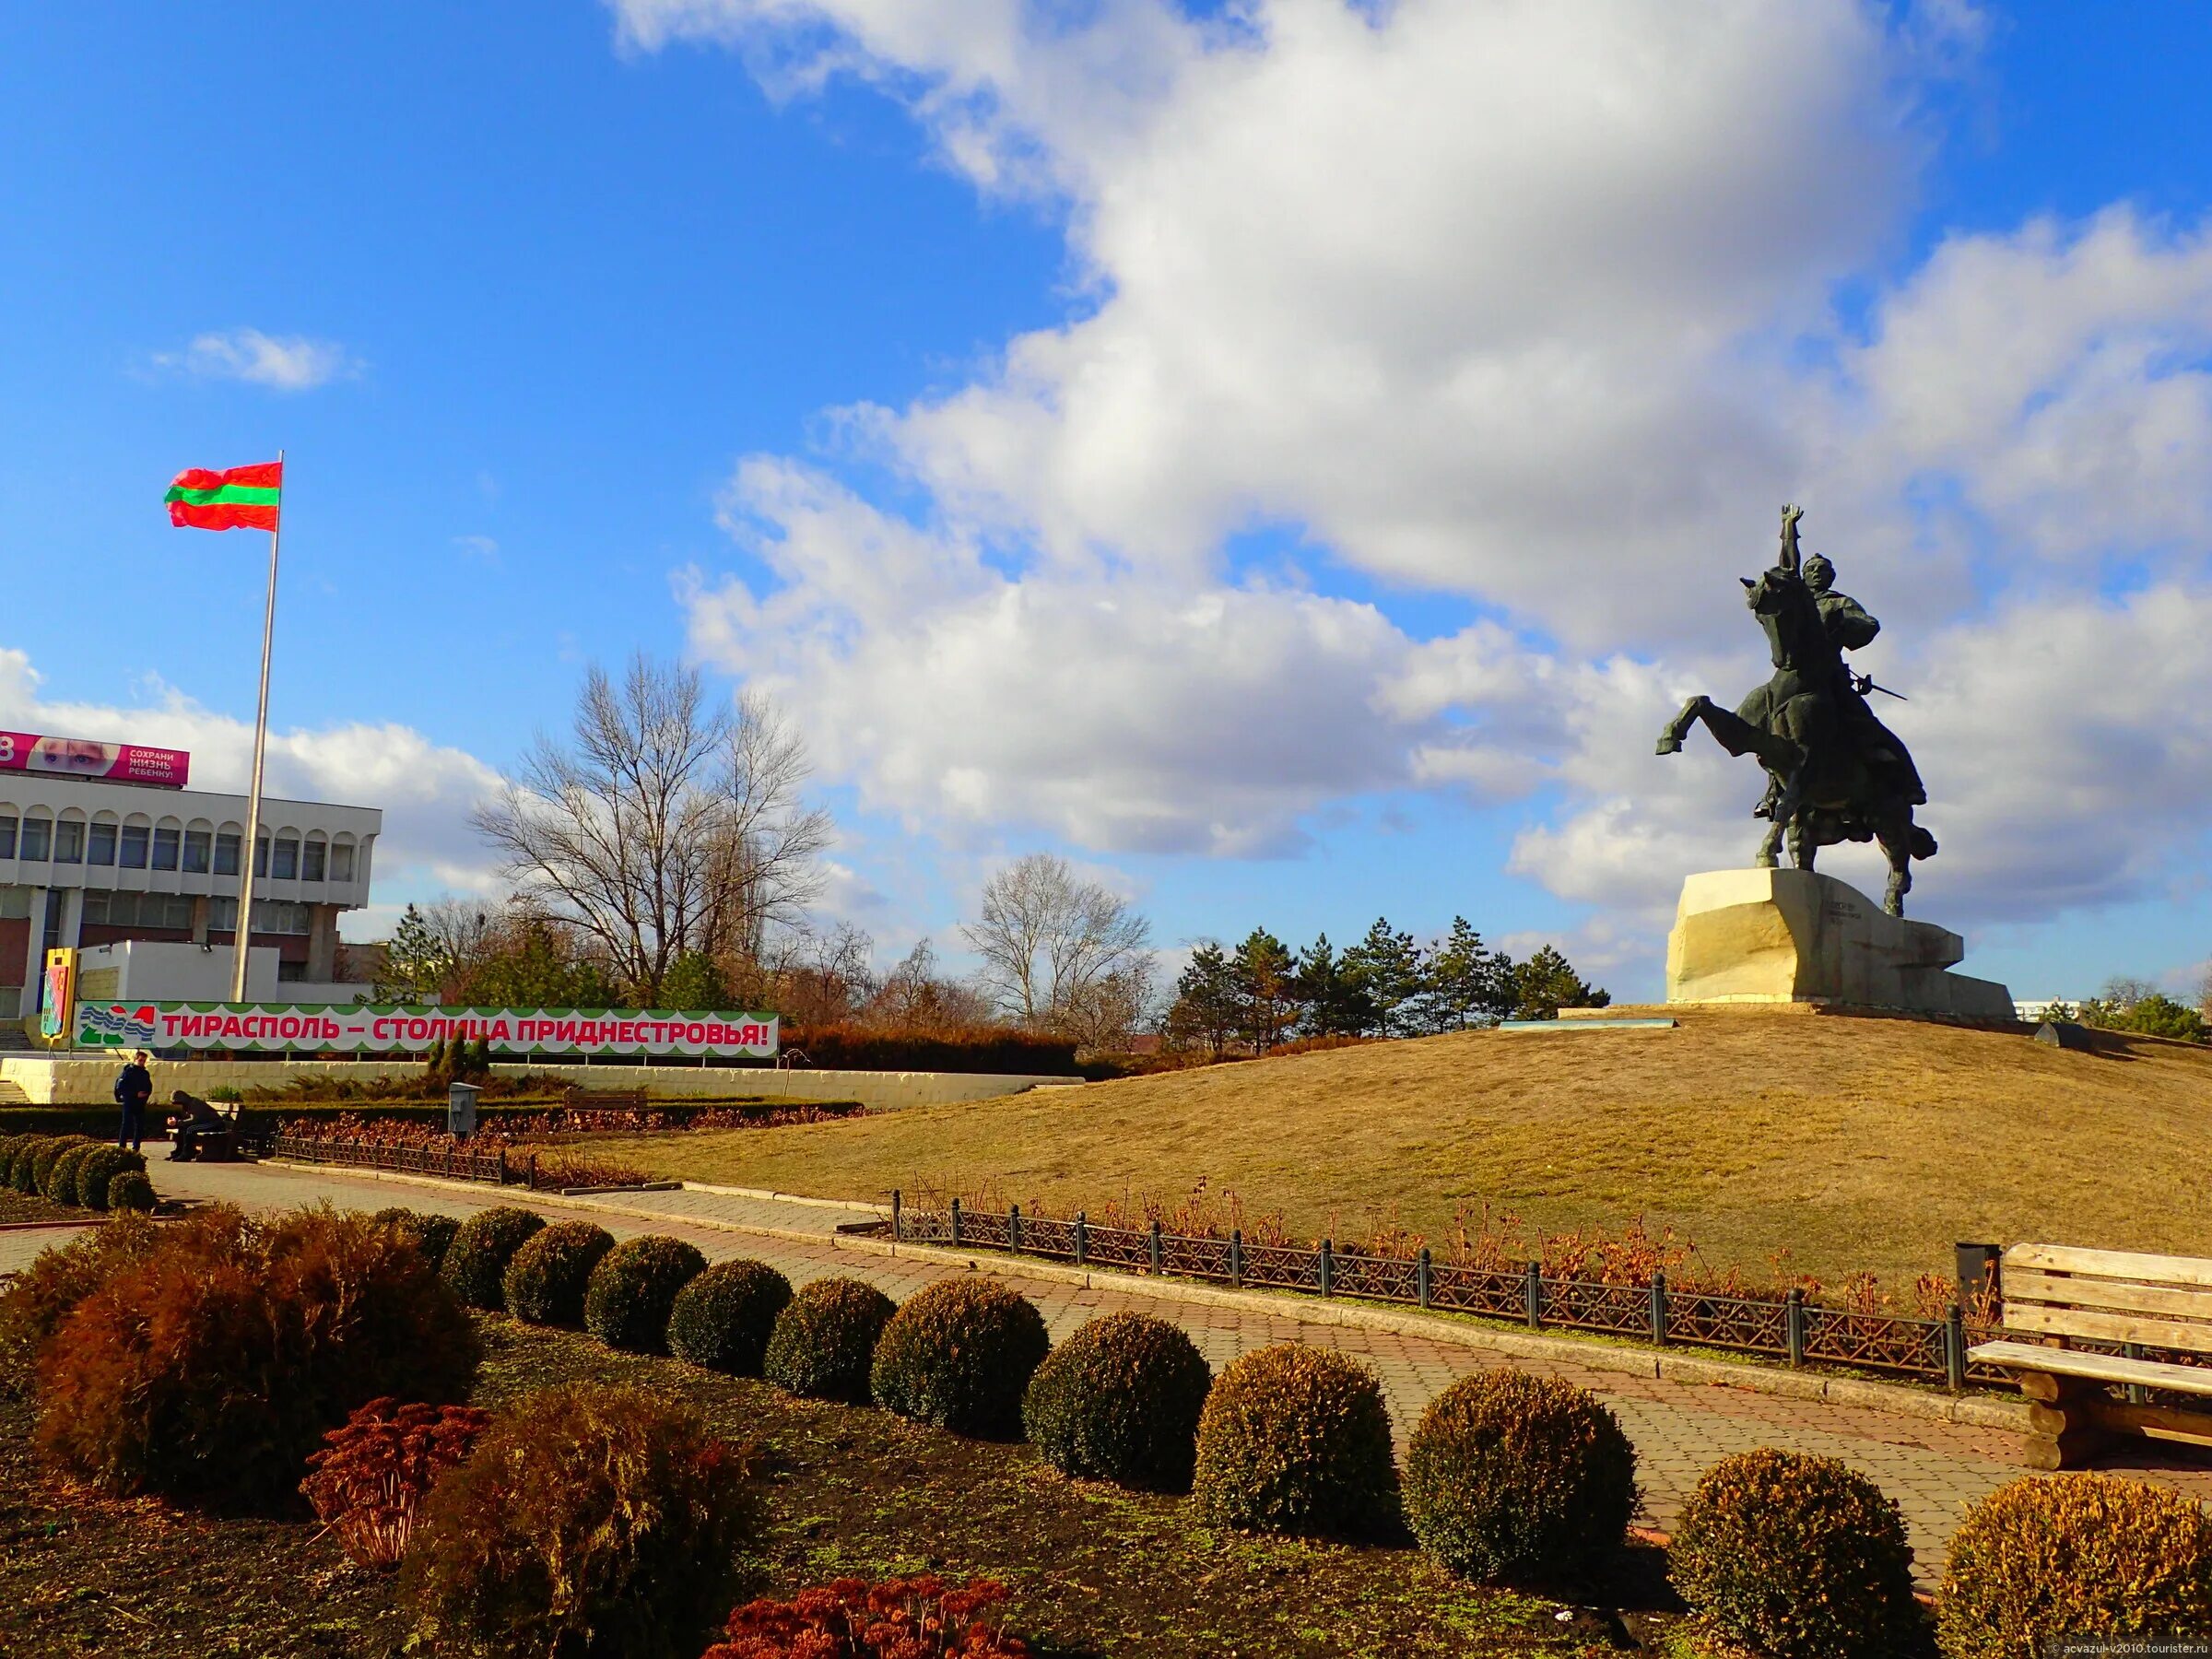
(133, 1089)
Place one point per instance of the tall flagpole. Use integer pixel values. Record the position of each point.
(243, 931)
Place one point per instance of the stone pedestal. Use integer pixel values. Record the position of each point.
(1799, 936)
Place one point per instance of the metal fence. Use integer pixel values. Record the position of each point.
(1790, 1329)
(491, 1167)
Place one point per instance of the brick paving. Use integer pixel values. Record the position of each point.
(1932, 1467)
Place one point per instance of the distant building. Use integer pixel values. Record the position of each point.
(89, 861)
(2034, 1012)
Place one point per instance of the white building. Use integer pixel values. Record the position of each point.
(87, 862)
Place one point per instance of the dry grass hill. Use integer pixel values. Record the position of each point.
(1849, 1142)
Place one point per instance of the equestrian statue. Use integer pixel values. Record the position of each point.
(1834, 771)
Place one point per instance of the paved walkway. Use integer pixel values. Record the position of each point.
(1933, 1468)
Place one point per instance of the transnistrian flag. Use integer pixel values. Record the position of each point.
(244, 497)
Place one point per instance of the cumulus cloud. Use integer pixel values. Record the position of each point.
(289, 363)
(424, 790)
(1526, 303)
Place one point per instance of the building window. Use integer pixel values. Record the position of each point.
(285, 866)
(134, 847)
(227, 842)
(7, 837)
(311, 861)
(196, 848)
(97, 906)
(341, 861)
(69, 841)
(280, 916)
(222, 915)
(165, 848)
(99, 846)
(260, 855)
(292, 971)
(176, 909)
(35, 834)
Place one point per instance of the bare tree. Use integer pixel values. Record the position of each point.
(1050, 941)
(914, 996)
(670, 823)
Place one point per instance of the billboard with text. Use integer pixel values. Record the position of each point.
(85, 758)
(370, 1029)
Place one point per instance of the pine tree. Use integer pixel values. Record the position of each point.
(1334, 1004)
(1267, 989)
(1386, 967)
(1206, 1006)
(415, 963)
(1467, 983)
(694, 983)
(1547, 982)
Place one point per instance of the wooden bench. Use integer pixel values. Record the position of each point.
(2055, 1294)
(215, 1143)
(618, 1099)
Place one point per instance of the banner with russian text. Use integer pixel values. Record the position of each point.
(394, 1029)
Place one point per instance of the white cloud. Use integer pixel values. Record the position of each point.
(291, 363)
(1528, 302)
(424, 790)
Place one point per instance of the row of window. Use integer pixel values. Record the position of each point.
(108, 909)
(193, 852)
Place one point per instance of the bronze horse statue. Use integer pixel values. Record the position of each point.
(1834, 772)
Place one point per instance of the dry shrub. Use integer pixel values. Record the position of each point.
(2055, 1556)
(588, 1520)
(39, 1299)
(1296, 1439)
(921, 1617)
(368, 1481)
(207, 1371)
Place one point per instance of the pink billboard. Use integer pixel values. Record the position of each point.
(82, 758)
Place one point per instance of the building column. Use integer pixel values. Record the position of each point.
(323, 943)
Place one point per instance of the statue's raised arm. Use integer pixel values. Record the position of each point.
(1790, 515)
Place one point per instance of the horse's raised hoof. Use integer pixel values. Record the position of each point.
(1669, 744)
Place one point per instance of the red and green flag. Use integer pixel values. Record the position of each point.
(245, 497)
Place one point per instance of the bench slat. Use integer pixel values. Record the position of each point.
(2098, 1368)
(2110, 1263)
(2118, 1295)
(2109, 1327)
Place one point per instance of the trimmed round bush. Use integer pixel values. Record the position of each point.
(1296, 1439)
(23, 1169)
(476, 1261)
(545, 1282)
(722, 1318)
(9, 1145)
(36, 1301)
(431, 1234)
(133, 1191)
(49, 1161)
(2073, 1555)
(959, 1354)
(208, 1369)
(100, 1166)
(1510, 1476)
(61, 1180)
(587, 1520)
(1797, 1558)
(824, 1343)
(634, 1290)
(1120, 1401)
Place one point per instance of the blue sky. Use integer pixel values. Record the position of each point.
(676, 325)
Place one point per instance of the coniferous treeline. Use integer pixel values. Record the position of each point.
(1261, 993)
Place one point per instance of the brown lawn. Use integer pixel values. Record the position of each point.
(1849, 1142)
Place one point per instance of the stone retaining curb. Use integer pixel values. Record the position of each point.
(731, 1192)
(1977, 1411)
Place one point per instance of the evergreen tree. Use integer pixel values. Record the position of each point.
(694, 983)
(1467, 984)
(416, 964)
(1386, 967)
(1547, 982)
(1267, 989)
(1335, 1003)
(1208, 1007)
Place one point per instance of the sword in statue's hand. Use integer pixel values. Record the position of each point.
(1864, 682)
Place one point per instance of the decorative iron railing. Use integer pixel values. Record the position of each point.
(1789, 1329)
(491, 1167)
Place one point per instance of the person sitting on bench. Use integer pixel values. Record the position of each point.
(194, 1117)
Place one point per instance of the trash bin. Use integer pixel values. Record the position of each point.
(460, 1108)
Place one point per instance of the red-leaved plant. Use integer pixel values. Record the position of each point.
(371, 1477)
(921, 1617)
